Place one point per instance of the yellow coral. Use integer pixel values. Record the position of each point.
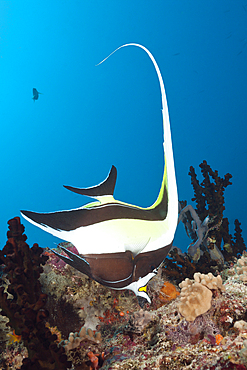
(13, 338)
(54, 330)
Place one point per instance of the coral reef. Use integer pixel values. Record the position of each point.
(212, 245)
(200, 325)
(209, 195)
(159, 338)
(210, 281)
(60, 312)
(84, 335)
(3, 331)
(57, 263)
(241, 267)
(241, 325)
(96, 360)
(192, 331)
(26, 310)
(209, 198)
(196, 295)
(12, 358)
(139, 320)
(238, 244)
(195, 300)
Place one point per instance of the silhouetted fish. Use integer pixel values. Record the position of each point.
(35, 94)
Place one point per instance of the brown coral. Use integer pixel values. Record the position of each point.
(209, 198)
(196, 295)
(195, 300)
(84, 335)
(209, 195)
(26, 310)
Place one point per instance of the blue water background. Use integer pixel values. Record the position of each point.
(89, 117)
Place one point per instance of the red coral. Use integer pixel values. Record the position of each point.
(96, 360)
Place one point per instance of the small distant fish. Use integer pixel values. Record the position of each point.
(227, 247)
(35, 94)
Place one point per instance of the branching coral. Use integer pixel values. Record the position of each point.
(26, 310)
(238, 244)
(209, 198)
(209, 195)
(178, 265)
(212, 244)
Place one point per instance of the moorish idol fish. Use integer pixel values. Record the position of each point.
(35, 94)
(120, 245)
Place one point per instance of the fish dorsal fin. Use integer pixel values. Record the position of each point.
(104, 188)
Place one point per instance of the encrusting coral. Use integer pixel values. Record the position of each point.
(192, 331)
(26, 310)
(168, 292)
(139, 320)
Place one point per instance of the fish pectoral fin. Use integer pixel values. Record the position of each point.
(75, 261)
(138, 244)
(104, 188)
